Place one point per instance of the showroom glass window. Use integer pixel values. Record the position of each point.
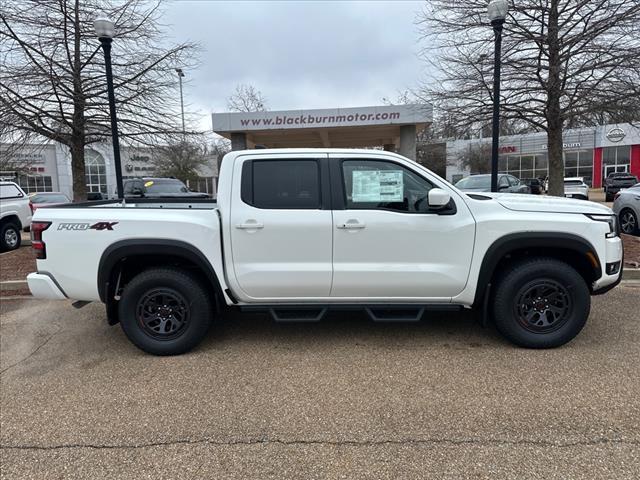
(35, 183)
(381, 185)
(95, 172)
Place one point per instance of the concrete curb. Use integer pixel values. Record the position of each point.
(631, 274)
(12, 285)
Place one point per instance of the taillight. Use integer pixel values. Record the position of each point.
(36, 238)
(31, 207)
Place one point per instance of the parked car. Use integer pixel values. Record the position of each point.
(482, 183)
(158, 188)
(15, 215)
(617, 181)
(93, 196)
(44, 199)
(575, 187)
(298, 232)
(534, 184)
(627, 207)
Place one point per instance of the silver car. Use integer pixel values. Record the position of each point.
(627, 207)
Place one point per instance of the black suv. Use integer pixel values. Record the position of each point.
(617, 181)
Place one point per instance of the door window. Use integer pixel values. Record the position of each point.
(281, 184)
(503, 183)
(373, 184)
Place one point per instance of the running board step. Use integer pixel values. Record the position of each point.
(395, 314)
(298, 314)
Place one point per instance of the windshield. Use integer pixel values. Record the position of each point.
(476, 181)
(573, 182)
(165, 186)
(55, 198)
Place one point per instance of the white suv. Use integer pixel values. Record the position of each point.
(15, 215)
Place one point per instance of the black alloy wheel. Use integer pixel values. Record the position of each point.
(542, 306)
(163, 313)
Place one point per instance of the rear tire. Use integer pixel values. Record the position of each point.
(165, 311)
(541, 303)
(10, 237)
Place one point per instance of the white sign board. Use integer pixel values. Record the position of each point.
(377, 186)
(324, 118)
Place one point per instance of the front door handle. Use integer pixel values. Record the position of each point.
(351, 225)
(249, 225)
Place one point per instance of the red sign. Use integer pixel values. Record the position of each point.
(508, 149)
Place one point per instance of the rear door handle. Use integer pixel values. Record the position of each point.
(351, 225)
(249, 226)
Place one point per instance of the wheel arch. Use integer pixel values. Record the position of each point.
(11, 218)
(578, 251)
(129, 257)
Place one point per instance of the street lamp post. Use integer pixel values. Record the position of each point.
(180, 75)
(497, 10)
(105, 30)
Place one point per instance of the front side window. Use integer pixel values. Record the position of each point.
(281, 184)
(373, 184)
(503, 182)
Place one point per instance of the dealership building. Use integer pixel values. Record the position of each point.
(46, 167)
(592, 153)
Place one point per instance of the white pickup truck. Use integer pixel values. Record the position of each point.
(298, 232)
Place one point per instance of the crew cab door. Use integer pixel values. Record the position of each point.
(281, 226)
(387, 243)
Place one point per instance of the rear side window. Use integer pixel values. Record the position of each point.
(281, 184)
(10, 191)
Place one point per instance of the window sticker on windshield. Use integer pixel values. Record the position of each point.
(377, 186)
(148, 184)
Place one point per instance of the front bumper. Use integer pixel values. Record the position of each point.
(44, 286)
(614, 252)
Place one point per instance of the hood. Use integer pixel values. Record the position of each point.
(479, 189)
(538, 203)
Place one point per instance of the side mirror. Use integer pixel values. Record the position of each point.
(438, 198)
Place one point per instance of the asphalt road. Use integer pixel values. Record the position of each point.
(344, 398)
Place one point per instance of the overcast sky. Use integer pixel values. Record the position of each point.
(299, 54)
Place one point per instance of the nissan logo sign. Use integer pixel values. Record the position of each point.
(615, 135)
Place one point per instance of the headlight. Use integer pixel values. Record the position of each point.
(612, 220)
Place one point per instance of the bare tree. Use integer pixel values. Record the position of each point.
(477, 158)
(246, 98)
(52, 80)
(565, 62)
(181, 159)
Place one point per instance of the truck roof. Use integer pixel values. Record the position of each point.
(271, 151)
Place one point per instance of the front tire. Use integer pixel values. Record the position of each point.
(165, 311)
(10, 237)
(628, 221)
(541, 303)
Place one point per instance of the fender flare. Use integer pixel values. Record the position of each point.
(117, 251)
(519, 241)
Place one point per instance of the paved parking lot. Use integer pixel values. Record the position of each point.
(344, 398)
